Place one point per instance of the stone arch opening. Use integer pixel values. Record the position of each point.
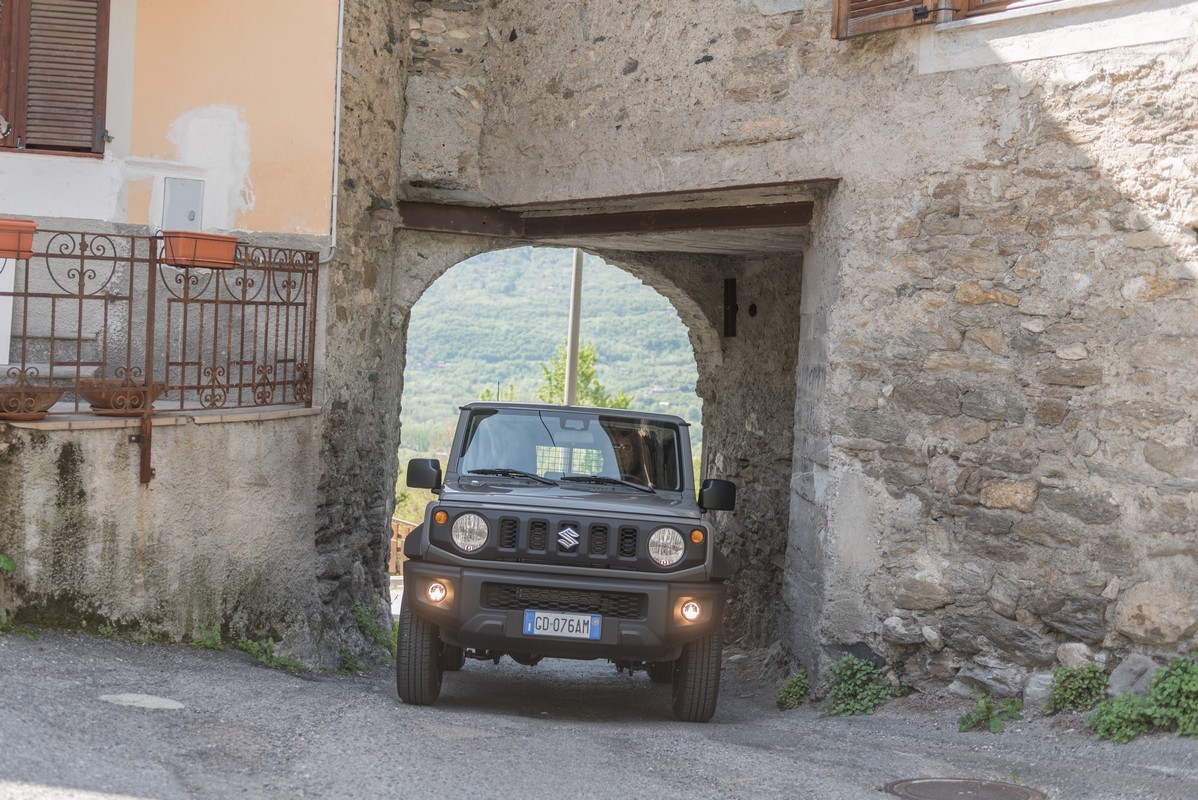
(746, 372)
(704, 351)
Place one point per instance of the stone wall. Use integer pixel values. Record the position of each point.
(994, 439)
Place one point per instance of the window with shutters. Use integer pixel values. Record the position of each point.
(53, 72)
(856, 17)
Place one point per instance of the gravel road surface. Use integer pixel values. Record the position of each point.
(226, 726)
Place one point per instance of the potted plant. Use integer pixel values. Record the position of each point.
(16, 237)
(26, 402)
(118, 397)
(192, 249)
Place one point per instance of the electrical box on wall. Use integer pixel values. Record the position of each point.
(183, 205)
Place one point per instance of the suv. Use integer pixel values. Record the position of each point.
(570, 533)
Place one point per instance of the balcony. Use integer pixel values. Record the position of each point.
(102, 324)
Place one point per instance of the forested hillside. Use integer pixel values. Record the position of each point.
(490, 322)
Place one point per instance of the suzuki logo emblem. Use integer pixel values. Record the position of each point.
(567, 540)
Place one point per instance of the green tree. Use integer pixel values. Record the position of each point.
(507, 395)
(590, 391)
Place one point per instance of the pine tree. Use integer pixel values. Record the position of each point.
(590, 391)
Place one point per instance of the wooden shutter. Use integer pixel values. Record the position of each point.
(57, 60)
(856, 17)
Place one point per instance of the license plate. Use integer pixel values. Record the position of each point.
(569, 626)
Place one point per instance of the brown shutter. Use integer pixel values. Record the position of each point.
(9, 73)
(856, 17)
(64, 105)
(53, 73)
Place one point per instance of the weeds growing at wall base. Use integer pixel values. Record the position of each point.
(794, 690)
(858, 687)
(990, 715)
(1076, 689)
(264, 651)
(1171, 705)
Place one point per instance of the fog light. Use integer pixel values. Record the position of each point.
(691, 611)
(437, 592)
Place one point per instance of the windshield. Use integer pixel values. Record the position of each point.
(557, 445)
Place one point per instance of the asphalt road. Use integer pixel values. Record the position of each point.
(559, 730)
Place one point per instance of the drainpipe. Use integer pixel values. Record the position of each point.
(336, 137)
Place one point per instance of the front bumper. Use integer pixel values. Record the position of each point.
(484, 610)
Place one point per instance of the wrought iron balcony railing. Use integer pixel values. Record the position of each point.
(101, 323)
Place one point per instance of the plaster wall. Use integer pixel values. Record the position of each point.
(237, 95)
(220, 539)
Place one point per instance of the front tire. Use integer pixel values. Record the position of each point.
(697, 679)
(417, 658)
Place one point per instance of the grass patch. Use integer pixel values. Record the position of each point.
(371, 629)
(9, 627)
(349, 661)
(208, 638)
(264, 651)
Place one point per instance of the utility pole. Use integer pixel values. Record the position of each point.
(570, 395)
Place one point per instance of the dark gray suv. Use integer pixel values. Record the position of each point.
(569, 533)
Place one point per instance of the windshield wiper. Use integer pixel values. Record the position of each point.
(513, 473)
(603, 479)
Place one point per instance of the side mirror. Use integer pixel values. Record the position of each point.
(717, 495)
(424, 473)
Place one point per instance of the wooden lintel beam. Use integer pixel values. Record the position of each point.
(670, 220)
(476, 221)
(469, 220)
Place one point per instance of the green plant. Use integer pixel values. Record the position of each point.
(1076, 689)
(991, 715)
(793, 692)
(349, 661)
(208, 638)
(1121, 718)
(7, 564)
(1174, 696)
(590, 391)
(264, 651)
(371, 629)
(858, 687)
(8, 627)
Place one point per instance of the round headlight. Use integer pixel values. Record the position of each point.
(666, 546)
(469, 532)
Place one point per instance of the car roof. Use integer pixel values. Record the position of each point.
(624, 413)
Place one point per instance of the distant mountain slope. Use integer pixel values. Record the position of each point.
(491, 321)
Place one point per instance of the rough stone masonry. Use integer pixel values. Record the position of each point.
(969, 440)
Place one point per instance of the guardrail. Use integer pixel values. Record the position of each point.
(123, 325)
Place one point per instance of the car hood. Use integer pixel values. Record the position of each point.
(600, 500)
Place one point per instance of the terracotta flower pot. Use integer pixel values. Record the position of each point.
(25, 403)
(113, 397)
(190, 249)
(16, 238)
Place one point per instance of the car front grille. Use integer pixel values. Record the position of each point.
(539, 541)
(505, 597)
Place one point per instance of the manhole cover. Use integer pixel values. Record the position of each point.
(957, 788)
